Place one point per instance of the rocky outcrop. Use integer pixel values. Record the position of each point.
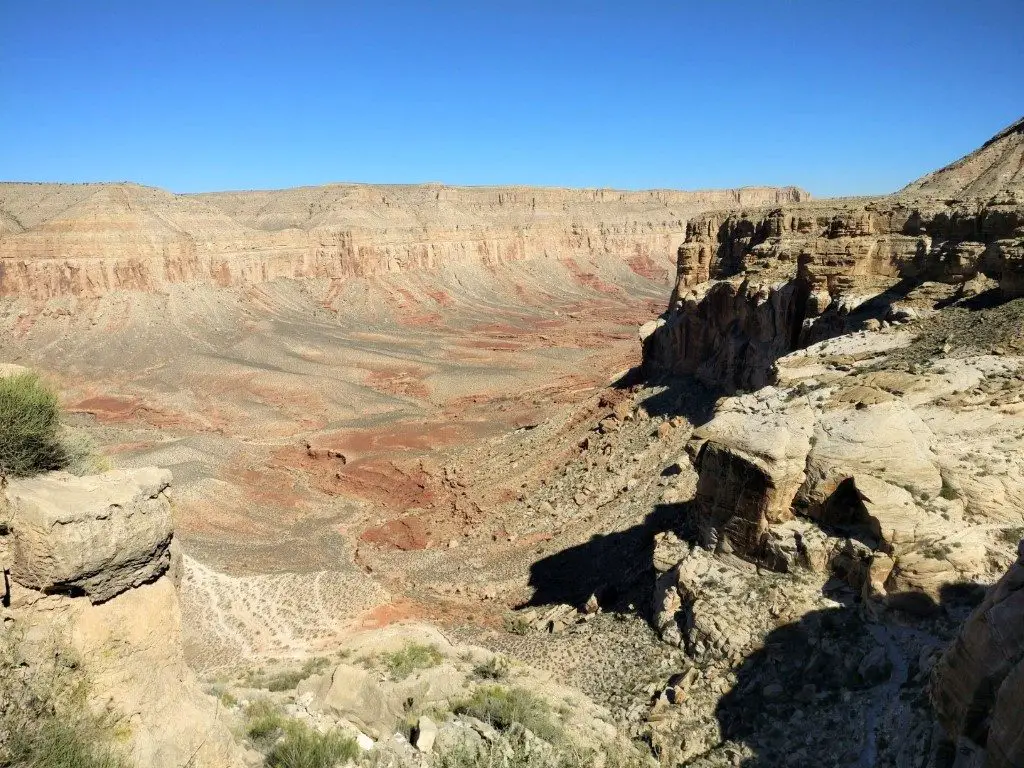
(89, 240)
(978, 684)
(857, 432)
(89, 564)
(96, 536)
(754, 284)
(750, 467)
(878, 472)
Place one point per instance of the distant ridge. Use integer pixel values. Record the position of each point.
(996, 167)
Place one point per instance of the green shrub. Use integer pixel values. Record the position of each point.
(302, 747)
(285, 680)
(513, 750)
(44, 718)
(264, 722)
(517, 625)
(412, 658)
(504, 708)
(29, 426)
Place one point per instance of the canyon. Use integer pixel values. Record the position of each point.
(781, 527)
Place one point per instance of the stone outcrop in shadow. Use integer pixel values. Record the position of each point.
(978, 686)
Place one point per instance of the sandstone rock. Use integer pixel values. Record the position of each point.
(352, 693)
(889, 440)
(978, 684)
(750, 468)
(426, 734)
(131, 650)
(97, 535)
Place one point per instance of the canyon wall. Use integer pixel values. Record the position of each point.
(754, 284)
(875, 350)
(89, 240)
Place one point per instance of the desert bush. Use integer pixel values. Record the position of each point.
(285, 680)
(29, 426)
(81, 456)
(303, 747)
(495, 668)
(517, 625)
(264, 722)
(411, 658)
(45, 721)
(504, 708)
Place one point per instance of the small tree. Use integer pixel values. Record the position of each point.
(29, 426)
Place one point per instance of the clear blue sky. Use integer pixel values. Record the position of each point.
(837, 96)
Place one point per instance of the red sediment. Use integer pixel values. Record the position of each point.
(405, 534)
(647, 267)
(398, 381)
(441, 297)
(589, 279)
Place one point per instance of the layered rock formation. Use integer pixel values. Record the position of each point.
(881, 444)
(854, 435)
(755, 284)
(89, 240)
(89, 565)
(871, 452)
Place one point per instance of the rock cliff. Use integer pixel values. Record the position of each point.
(869, 452)
(91, 239)
(754, 284)
(89, 563)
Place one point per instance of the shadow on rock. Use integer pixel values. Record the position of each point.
(617, 567)
(682, 396)
(837, 689)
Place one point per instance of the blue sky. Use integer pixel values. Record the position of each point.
(838, 97)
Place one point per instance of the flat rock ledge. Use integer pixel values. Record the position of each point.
(96, 536)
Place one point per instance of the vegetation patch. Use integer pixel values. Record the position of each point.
(29, 426)
(45, 721)
(290, 743)
(411, 658)
(504, 708)
(518, 750)
(517, 625)
(495, 668)
(264, 723)
(303, 747)
(285, 680)
(32, 436)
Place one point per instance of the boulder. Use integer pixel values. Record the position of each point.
(426, 734)
(354, 694)
(96, 536)
(887, 440)
(750, 468)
